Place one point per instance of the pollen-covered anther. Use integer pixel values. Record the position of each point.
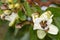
(43, 24)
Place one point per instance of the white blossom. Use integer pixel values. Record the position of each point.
(11, 18)
(43, 25)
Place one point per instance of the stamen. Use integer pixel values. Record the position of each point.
(43, 24)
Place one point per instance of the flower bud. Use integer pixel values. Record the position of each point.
(9, 1)
(17, 5)
(7, 12)
(36, 15)
(11, 6)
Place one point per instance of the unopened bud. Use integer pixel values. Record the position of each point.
(17, 5)
(11, 6)
(7, 12)
(9, 1)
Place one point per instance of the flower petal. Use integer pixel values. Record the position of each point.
(34, 16)
(53, 29)
(37, 26)
(41, 34)
(46, 15)
(49, 21)
(13, 17)
(12, 22)
(7, 18)
(38, 20)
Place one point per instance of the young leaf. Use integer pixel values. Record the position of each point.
(55, 11)
(21, 15)
(36, 8)
(27, 8)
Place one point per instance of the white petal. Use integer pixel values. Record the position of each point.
(44, 8)
(12, 22)
(7, 18)
(46, 15)
(34, 16)
(41, 34)
(38, 20)
(49, 21)
(13, 17)
(51, 16)
(53, 29)
(37, 26)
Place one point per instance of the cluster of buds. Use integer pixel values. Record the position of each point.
(12, 5)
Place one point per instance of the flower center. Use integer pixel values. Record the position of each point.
(43, 24)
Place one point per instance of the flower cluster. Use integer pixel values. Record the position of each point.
(19, 15)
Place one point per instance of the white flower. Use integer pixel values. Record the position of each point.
(44, 24)
(10, 18)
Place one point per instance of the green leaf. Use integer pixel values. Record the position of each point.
(0, 3)
(16, 31)
(36, 8)
(57, 23)
(9, 34)
(3, 29)
(26, 36)
(21, 15)
(1, 11)
(33, 35)
(27, 8)
(55, 11)
(21, 1)
(23, 33)
(15, 1)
